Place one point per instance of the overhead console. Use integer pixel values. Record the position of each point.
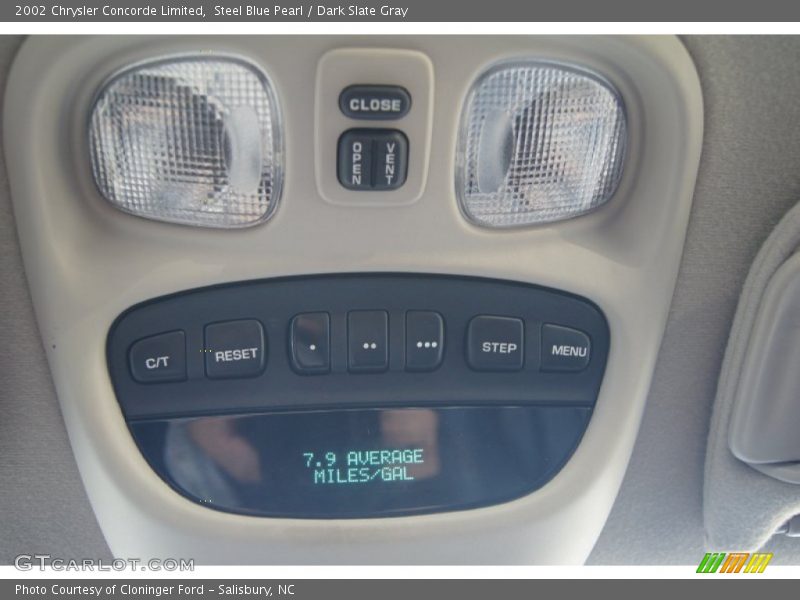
(352, 299)
(358, 395)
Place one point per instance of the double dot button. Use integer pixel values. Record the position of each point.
(367, 341)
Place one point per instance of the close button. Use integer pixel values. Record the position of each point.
(377, 102)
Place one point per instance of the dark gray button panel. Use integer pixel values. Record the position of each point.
(310, 340)
(374, 102)
(564, 348)
(234, 349)
(344, 341)
(424, 340)
(372, 159)
(495, 343)
(159, 358)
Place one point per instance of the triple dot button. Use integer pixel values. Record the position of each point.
(424, 340)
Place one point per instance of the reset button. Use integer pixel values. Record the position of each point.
(234, 349)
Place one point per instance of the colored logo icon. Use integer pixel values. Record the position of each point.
(734, 562)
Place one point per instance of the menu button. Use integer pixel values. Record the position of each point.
(564, 349)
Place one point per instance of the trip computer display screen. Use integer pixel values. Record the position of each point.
(361, 463)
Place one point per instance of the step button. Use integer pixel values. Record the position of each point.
(234, 349)
(495, 343)
(159, 358)
(367, 341)
(310, 343)
(424, 340)
(564, 349)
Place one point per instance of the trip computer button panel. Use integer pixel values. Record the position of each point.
(246, 350)
(428, 393)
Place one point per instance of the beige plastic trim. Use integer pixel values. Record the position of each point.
(344, 67)
(87, 262)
